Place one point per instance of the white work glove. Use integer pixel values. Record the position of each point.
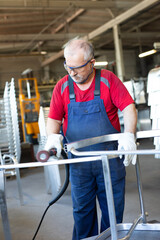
(54, 141)
(127, 142)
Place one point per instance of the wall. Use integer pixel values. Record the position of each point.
(14, 66)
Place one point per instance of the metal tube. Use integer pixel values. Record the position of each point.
(108, 138)
(140, 191)
(96, 155)
(109, 196)
(3, 208)
(55, 162)
(114, 153)
(136, 221)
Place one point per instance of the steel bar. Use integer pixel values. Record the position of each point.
(140, 192)
(109, 197)
(56, 162)
(110, 137)
(3, 208)
(133, 226)
(114, 153)
(96, 156)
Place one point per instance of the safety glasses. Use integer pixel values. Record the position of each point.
(75, 69)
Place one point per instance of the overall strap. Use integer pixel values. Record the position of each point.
(97, 85)
(71, 88)
(97, 82)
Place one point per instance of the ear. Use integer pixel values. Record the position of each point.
(93, 61)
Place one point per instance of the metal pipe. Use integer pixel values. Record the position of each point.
(108, 138)
(140, 192)
(109, 197)
(95, 156)
(55, 162)
(136, 221)
(114, 153)
(3, 208)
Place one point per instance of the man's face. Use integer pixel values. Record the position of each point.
(78, 68)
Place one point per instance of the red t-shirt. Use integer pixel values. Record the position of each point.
(113, 92)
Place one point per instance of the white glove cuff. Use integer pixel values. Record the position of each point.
(54, 141)
(126, 136)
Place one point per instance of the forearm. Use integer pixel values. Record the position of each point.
(53, 126)
(130, 118)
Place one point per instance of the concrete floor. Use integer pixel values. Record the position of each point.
(58, 222)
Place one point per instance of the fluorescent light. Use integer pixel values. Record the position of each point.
(156, 45)
(101, 63)
(147, 53)
(43, 52)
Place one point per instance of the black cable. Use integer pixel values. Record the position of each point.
(40, 222)
(65, 185)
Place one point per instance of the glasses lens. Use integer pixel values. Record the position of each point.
(75, 69)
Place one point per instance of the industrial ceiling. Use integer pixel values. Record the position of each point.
(31, 26)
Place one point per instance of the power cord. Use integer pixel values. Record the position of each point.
(65, 185)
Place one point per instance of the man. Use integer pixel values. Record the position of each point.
(88, 108)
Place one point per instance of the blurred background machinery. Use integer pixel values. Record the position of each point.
(29, 99)
(153, 89)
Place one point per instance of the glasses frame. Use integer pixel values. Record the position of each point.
(75, 68)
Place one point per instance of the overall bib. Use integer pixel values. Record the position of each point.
(86, 120)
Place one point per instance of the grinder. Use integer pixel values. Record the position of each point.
(43, 156)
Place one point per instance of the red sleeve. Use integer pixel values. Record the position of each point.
(119, 93)
(115, 96)
(56, 106)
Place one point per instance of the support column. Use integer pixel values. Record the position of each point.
(46, 74)
(118, 53)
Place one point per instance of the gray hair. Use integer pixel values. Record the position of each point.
(73, 45)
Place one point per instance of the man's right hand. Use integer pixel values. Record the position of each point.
(54, 141)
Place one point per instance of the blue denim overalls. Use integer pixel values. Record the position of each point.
(86, 120)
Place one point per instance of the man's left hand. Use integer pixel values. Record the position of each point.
(127, 142)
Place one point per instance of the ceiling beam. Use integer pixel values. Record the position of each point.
(142, 35)
(62, 25)
(122, 17)
(66, 36)
(138, 26)
(148, 21)
(117, 20)
(50, 5)
(42, 37)
(68, 20)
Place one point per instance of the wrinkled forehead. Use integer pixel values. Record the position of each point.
(75, 58)
(73, 49)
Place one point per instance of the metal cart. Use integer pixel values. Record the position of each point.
(139, 229)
